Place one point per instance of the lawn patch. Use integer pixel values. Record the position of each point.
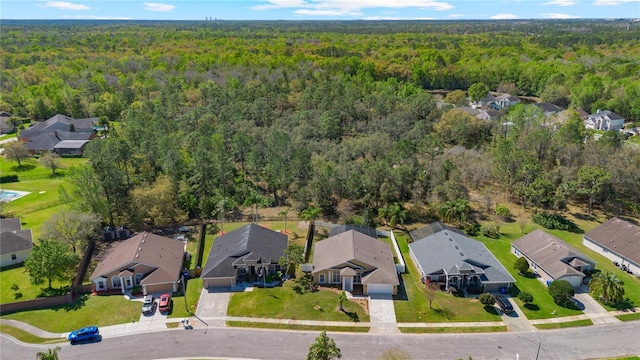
(561, 325)
(27, 337)
(629, 317)
(261, 325)
(452, 329)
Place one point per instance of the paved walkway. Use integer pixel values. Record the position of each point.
(213, 305)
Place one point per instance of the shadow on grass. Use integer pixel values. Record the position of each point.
(626, 304)
(402, 292)
(23, 167)
(532, 307)
(528, 275)
(491, 310)
(78, 303)
(352, 315)
(51, 292)
(445, 313)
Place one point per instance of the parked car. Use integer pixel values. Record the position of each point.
(165, 303)
(504, 305)
(89, 333)
(149, 305)
(184, 229)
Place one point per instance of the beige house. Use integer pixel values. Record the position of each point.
(15, 243)
(619, 241)
(147, 260)
(352, 259)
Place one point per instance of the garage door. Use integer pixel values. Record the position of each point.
(380, 289)
(573, 280)
(219, 282)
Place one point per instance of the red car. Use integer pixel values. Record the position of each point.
(165, 303)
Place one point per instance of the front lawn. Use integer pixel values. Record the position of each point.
(88, 310)
(27, 336)
(259, 325)
(26, 290)
(283, 303)
(413, 305)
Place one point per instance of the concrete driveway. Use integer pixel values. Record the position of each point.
(592, 308)
(516, 321)
(213, 305)
(382, 314)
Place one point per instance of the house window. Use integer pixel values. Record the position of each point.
(335, 277)
(321, 279)
(14, 257)
(116, 282)
(242, 271)
(137, 278)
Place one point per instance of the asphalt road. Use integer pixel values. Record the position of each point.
(574, 343)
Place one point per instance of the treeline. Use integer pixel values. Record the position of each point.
(213, 117)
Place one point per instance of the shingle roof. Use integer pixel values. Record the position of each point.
(359, 228)
(59, 123)
(353, 246)
(430, 229)
(619, 236)
(452, 252)
(248, 242)
(145, 248)
(14, 241)
(10, 224)
(549, 107)
(606, 113)
(550, 253)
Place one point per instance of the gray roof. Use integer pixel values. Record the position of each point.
(12, 237)
(619, 236)
(48, 141)
(250, 242)
(452, 252)
(551, 254)
(610, 114)
(359, 250)
(359, 228)
(10, 224)
(548, 107)
(430, 229)
(70, 144)
(59, 123)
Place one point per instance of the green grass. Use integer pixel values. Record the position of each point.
(88, 310)
(194, 288)
(452, 329)
(284, 303)
(256, 325)
(414, 306)
(20, 277)
(629, 317)
(562, 325)
(28, 337)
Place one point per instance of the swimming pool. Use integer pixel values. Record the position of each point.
(10, 195)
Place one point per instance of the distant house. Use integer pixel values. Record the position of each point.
(352, 259)
(552, 258)
(70, 147)
(15, 243)
(549, 109)
(619, 241)
(44, 136)
(147, 260)
(251, 251)
(5, 126)
(505, 101)
(449, 257)
(488, 114)
(488, 100)
(604, 120)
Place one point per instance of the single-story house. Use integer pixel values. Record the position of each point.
(604, 120)
(147, 260)
(504, 101)
(353, 258)
(449, 257)
(15, 243)
(5, 125)
(552, 258)
(250, 250)
(548, 108)
(618, 240)
(70, 147)
(49, 142)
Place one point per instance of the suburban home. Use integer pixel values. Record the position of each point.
(505, 101)
(15, 243)
(488, 114)
(618, 240)
(449, 257)
(251, 251)
(147, 260)
(351, 260)
(552, 258)
(44, 136)
(70, 147)
(549, 109)
(604, 120)
(487, 100)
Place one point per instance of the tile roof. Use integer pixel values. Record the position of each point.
(619, 236)
(551, 254)
(355, 247)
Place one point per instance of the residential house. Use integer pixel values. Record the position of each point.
(549, 109)
(70, 147)
(147, 260)
(5, 126)
(551, 258)
(44, 136)
(15, 243)
(619, 241)
(449, 257)
(604, 120)
(488, 114)
(352, 259)
(251, 251)
(505, 101)
(488, 100)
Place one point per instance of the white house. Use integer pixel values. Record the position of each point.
(15, 243)
(619, 241)
(604, 120)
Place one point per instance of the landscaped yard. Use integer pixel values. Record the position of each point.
(20, 277)
(284, 303)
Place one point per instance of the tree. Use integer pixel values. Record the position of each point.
(323, 348)
(456, 98)
(310, 213)
(293, 255)
(255, 200)
(395, 353)
(342, 299)
(503, 211)
(608, 286)
(525, 297)
(590, 182)
(15, 151)
(522, 265)
(71, 227)
(284, 213)
(458, 210)
(393, 214)
(50, 160)
(487, 299)
(51, 354)
(561, 291)
(477, 91)
(156, 203)
(82, 189)
(431, 290)
(50, 260)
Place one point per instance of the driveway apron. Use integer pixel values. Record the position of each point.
(516, 321)
(592, 308)
(213, 305)
(382, 314)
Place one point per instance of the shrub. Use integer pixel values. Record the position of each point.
(472, 229)
(8, 179)
(487, 299)
(522, 265)
(525, 297)
(561, 291)
(503, 211)
(553, 221)
(490, 230)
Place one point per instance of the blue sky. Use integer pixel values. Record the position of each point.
(319, 9)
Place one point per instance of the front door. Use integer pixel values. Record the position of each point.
(348, 284)
(128, 284)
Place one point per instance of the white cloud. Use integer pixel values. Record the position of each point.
(158, 7)
(65, 5)
(612, 2)
(504, 17)
(560, 2)
(558, 16)
(454, 16)
(338, 7)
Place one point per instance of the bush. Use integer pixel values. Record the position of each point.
(472, 229)
(503, 211)
(487, 299)
(490, 230)
(525, 297)
(561, 291)
(522, 265)
(8, 179)
(553, 221)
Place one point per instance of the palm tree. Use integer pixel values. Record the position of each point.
(51, 354)
(324, 348)
(461, 210)
(284, 213)
(608, 285)
(310, 213)
(393, 214)
(447, 211)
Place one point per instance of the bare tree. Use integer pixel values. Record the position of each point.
(522, 223)
(16, 151)
(71, 227)
(431, 290)
(50, 160)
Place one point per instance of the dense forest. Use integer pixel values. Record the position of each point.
(208, 118)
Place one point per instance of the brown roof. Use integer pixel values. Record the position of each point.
(619, 236)
(355, 247)
(551, 254)
(163, 253)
